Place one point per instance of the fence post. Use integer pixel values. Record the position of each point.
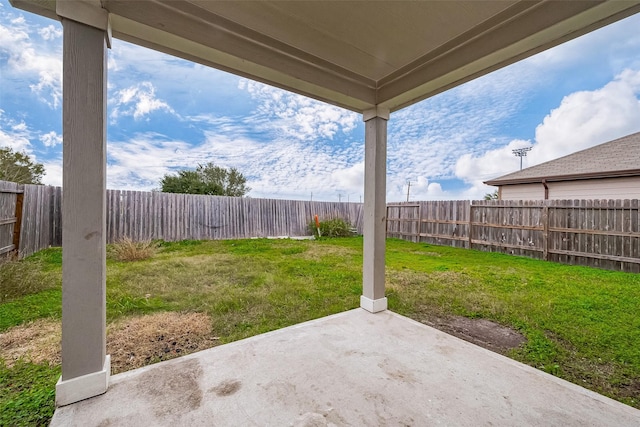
(419, 237)
(470, 222)
(17, 226)
(545, 231)
(386, 222)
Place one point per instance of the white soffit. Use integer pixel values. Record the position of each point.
(355, 54)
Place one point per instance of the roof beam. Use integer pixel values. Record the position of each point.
(190, 30)
(536, 28)
(185, 30)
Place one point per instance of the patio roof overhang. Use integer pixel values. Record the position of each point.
(354, 54)
(370, 57)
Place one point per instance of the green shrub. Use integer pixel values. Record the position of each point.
(331, 228)
(126, 249)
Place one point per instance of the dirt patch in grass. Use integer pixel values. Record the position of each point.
(317, 252)
(485, 333)
(441, 285)
(202, 260)
(132, 342)
(141, 340)
(426, 253)
(38, 341)
(631, 390)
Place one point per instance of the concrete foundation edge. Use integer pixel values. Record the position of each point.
(373, 306)
(84, 387)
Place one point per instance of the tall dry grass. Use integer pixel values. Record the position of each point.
(21, 277)
(126, 249)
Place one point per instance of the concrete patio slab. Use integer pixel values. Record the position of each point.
(353, 368)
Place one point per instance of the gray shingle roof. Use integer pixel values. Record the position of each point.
(620, 157)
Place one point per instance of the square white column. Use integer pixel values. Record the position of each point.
(85, 365)
(375, 211)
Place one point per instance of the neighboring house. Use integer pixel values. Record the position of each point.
(606, 171)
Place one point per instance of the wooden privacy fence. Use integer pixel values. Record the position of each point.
(598, 233)
(153, 215)
(38, 224)
(11, 199)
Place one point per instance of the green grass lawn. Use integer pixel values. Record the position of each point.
(581, 324)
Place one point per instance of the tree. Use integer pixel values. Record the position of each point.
(18, 167)
(206, 179)
(491, 196)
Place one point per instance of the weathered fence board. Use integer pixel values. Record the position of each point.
(598, 233)
(152, 215)
(11, 198)
(143, 215)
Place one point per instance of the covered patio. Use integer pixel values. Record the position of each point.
(350, 369)
(373, 58)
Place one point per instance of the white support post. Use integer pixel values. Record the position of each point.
(85, 365)
(375, 183)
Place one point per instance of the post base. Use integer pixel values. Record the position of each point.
(373, 306)
(84, 387)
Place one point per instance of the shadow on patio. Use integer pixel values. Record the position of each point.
(352, 368)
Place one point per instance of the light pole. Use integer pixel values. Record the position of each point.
(521, 152)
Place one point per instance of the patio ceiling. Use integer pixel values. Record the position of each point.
(354, 54)
(372, 57)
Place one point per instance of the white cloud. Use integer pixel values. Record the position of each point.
(140, 162)
(427, 140)
(492, 163)
(582, 120)
(25, 59)
(51, 139)
(350, 179)
(191, 87)
(588, 118)
(50, 32)
(474, 170)
(296, 116)
(53, 172)
(421, 189)
(287, 168)
(137, 101)
(279, 168)
(15, 135)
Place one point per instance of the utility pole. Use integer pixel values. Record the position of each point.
(408, 188)
(521, 152)
(339, 197)
(311, 196)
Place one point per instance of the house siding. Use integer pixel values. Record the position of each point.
(522, 192)
(604, 188)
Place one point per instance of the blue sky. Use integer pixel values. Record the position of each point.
(167, 114)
